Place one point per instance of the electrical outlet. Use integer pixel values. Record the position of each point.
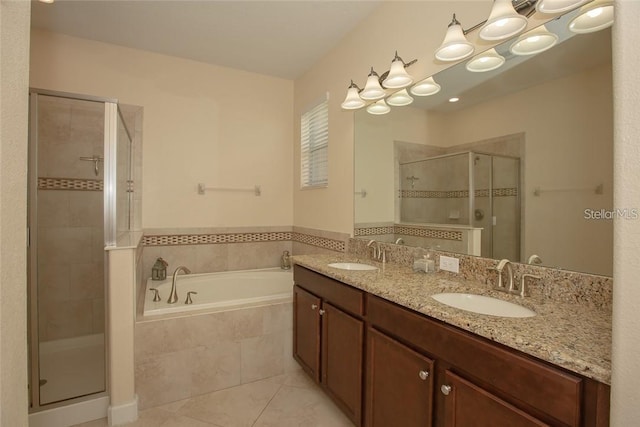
(451, 264)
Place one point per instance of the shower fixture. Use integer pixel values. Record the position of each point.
(96, 160)
(413, 180)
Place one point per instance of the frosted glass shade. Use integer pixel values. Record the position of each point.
(486, 61)
(398, 76)
(593, 18)
(372, 90)
(353, 100)
(426, 87)
(535, 41)
(378, 108)
(558, 6)
(503, 22)
(455, 45)
(400, 99)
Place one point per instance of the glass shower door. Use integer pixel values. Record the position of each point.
(67, 320)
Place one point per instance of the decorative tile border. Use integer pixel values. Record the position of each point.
(428, 232)
(70, 184)
(408, 230)
(209, 239)
(222, 238)
(321, 242)
(374, 231)
(456, 194)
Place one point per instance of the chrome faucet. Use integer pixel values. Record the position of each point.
(505, 264)
(173, 296)
(534, 259)
(399, 241)
(378, 253)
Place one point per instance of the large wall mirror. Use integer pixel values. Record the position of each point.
(521, 167)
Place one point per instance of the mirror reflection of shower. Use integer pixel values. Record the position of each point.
(96, 159)
(468, 190)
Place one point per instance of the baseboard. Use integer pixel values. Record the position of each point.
(122, 414)
(69, 415)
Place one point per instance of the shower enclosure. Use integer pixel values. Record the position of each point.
(80, 177)
(466, 189)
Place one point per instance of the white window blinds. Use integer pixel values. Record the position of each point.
(314, 146)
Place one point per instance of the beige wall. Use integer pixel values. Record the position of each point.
(14, 69)
(202, 123)
(625, 396)
(374, 160)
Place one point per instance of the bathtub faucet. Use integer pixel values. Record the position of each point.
(173, 296)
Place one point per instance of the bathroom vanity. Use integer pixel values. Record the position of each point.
(390, 355)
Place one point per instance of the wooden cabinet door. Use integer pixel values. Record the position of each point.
(342, 349)
(399, 384)
(469, 405)
(306, 331)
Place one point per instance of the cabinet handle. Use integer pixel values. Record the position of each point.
(445, 389)
(314, 306)
(423, 375)
(321, 312)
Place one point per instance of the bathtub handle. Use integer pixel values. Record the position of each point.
(189, 300)
(156, 295)
(314, 306)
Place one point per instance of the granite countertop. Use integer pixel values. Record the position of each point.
(573, 336)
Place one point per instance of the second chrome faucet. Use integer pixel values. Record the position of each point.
(510, 287)
(173, 296)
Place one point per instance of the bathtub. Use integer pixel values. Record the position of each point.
(226, 290)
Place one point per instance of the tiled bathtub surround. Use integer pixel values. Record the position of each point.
(177, 358)
(557, 285)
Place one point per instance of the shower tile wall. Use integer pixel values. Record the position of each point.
(70, 222)
(448, 174)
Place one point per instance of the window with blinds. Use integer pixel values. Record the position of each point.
(314, 146)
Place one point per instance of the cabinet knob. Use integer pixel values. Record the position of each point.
(423, 375)
(314, 306)
(321, 312)
(445, 389)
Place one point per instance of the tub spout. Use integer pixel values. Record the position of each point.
(173, 296)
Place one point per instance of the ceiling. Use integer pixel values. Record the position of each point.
(277, 38)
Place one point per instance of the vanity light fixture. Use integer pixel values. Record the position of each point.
(372, 90)
(400, 99)
(378, 108)
(503, 22)
(455, 45)
(485, 61)
(353, 100)
(592, 18)
(558, 6)
(426, 87)
(398, 76)
(535, 41)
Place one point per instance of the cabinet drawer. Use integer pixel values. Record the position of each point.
(527, 383)
(337, 293)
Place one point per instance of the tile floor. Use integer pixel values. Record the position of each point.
(287, 400)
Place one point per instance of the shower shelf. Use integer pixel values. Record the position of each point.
(202, 189)
(599, 189)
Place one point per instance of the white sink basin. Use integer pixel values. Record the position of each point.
(484, 305)
(356, 266)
